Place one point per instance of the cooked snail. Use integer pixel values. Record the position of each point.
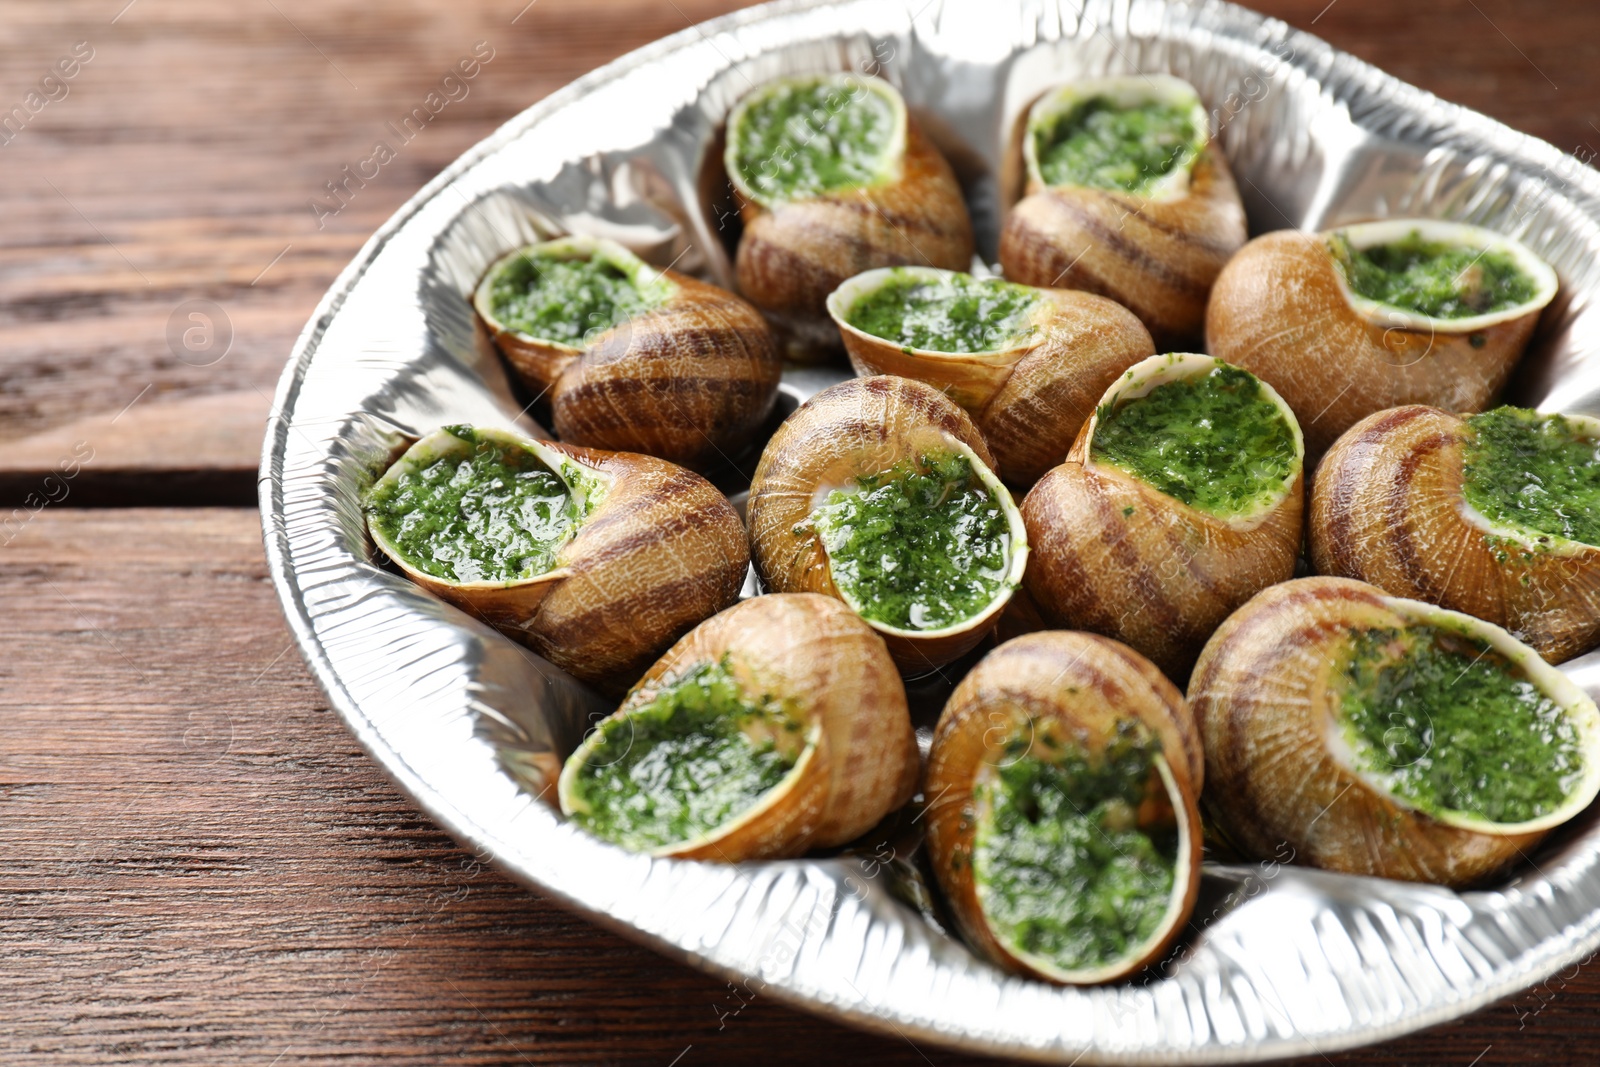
(834, 178)
(1496, 515)
(778, 726)
(1128, 196)
(1389, 737)
(1373, 316)
(632, 359)
(1027, 364)
(596, 560)
(1063, 823)
(1180, 500)
(881, 492)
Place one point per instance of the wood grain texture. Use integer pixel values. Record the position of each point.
(197, 863)
(185, 156)
(182, 166)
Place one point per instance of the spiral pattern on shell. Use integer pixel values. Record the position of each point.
(663, 551)
(1157, 258)
(690, 381)
(793, 255)
(1279, 311)
(859, 427)
(1115, 555)
(1262, 695)
(1028, 400)
(1084, 685)
(1387, 508)
(833, 672)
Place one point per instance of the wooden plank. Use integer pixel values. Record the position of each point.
(196, 448)
(199, 865)
(182, 162)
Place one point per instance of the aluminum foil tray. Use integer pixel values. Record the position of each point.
(1279, 960)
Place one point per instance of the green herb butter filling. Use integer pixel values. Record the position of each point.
(804, 138)
(1105, 145)
(1434, 278)
(1063, 870)
(495, 513)
(1215, 441)
(698, 755)
(1539, 473)
(947, 313)
(921, 546)
(551, 298)
(1452, 726)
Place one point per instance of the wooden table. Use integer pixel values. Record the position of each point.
(197, 863)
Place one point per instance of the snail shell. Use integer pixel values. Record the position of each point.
(1113, 554)
(1028, 400)
(1080, 686)
(690, 380)
(1261, 693)
(833, 673)
(793, 253)
(861, 427)
(661, 551)
(1387, 508)
(1281, 309)
(1156, 254)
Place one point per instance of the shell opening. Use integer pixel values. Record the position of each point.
(1439, 265)
(1206, 433)
(1453, 717)
(925, 311)
(1080, 863)
(1136, 135)
(565, 292)
(687, 761)
(480, 507)
(801, 137)
(929, 546)
(1533, 481)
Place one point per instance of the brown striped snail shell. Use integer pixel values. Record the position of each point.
(861, 427)
(1281, 310)
(1115, 555)
(1387, 508)
(1030, 399)
(661, 551)
(1156, 254)
(1082, 686)
(833, 672)
(1262, 695)
(793, 253)
(690, 379)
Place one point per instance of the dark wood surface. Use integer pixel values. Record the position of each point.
(197, 863)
